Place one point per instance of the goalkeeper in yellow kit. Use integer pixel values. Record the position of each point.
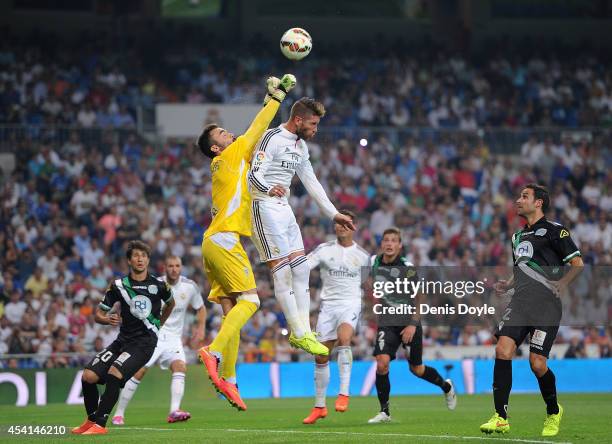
(226, 264)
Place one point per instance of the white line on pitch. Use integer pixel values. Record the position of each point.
(329, 432)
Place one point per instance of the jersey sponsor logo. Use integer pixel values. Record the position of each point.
(524, 249)
(564, 233)
(141, 307)
(540, 232)
(538, 337)
(289, 165)
(152, 289)
(342, 272)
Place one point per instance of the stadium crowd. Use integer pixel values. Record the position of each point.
(69, 207)
(45, 79)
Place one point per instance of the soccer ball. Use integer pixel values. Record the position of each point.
(295, 44)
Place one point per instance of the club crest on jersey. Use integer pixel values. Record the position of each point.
(141, 307)
(540, 232)
(152, 289)
(524, 249)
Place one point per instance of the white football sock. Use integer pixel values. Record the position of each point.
(321, 383)
(177, 389)
(286, 298)
(300, 273)
(345, 363)
(126, 396)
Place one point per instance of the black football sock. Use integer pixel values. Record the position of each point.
(383, 388)
(548, 388)
(431, 375)
(91, 398)
(108, 400)
(502, 384)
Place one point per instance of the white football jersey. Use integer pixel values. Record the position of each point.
(185, 292)
(279, 155)
(340, 269)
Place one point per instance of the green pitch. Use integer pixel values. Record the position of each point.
(417, 419)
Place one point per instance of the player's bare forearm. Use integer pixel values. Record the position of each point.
(102, 317)
(577, 265)
(261, 123)
(201, 317)
(166, 311)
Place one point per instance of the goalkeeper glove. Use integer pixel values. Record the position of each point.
(278, 88)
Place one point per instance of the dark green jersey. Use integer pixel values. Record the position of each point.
(141, 303)
(401, 269)
(540, 253)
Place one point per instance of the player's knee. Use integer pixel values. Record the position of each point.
(250, 297)
(89, 377)
(115, 372)
(503, 351)
(417, 370)
(382, 366)
(538, 365)
(178, 366)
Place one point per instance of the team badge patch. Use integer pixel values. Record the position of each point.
(564, 233)
(540, 232)
(260, 156)
(152, 289)
(538, 337)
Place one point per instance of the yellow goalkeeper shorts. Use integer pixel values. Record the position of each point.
(227, 265)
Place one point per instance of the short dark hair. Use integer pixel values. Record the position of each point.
(348, 213)
(306, 107)
(204, 141)
(173, 256)
(137, 245)
(540, 192)
(393, 230)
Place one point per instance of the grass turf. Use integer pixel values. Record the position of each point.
(416, 419)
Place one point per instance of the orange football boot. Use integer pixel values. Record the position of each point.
(315, 414)
(95, 430)
(211, 363)
(342, 403)
(82, 428)
(231, 393)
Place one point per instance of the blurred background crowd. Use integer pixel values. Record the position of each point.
(75, 196)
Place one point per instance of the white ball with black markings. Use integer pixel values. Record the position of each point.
(296, 43)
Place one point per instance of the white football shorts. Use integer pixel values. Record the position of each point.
(276, 233)
(168, 350)
(334, 313)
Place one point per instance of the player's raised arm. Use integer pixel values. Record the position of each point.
(277, 90)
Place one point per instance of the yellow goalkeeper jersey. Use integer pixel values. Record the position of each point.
(231, 199)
